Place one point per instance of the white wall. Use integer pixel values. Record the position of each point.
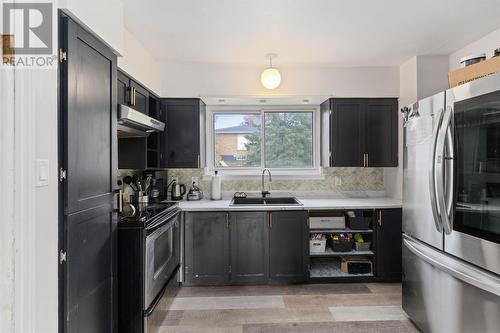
(191, 80)
(138, 62)
(6, 200)
(104, 18)
(486, 44)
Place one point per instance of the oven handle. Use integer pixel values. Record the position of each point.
(155, 303)
(163, 220)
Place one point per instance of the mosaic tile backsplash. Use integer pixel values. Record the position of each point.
(353, 179)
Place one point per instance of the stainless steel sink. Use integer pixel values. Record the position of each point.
(274, 201)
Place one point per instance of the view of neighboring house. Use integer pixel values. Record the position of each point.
(230, 144)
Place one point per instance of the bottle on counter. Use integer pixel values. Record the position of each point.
(216, 193)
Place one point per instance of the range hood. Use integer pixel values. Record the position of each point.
(132, 123)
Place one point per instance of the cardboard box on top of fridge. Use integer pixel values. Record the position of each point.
(475, 71)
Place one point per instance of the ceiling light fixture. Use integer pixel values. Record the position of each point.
(270, 77)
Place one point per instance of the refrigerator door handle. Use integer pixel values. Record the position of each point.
(432, 176)
(439, 165)
(450, 173)
(454, 267)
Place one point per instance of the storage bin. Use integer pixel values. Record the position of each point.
(359, 223)
(317, 246)
(334, 221)
(362, 246)
(356, 265)
(340, 245)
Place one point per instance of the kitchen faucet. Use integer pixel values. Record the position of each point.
(264, 192)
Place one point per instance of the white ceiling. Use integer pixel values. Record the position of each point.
(307, 32)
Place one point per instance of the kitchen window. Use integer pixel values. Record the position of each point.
(245, 142)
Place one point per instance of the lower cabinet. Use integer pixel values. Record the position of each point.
(249, 238)
(206, 255)
(246, 247)
(288, 246)
(388, 228)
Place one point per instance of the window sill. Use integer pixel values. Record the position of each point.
(298, 174)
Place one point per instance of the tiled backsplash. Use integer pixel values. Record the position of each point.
(352, 179)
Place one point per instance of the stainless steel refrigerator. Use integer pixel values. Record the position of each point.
(451, 209)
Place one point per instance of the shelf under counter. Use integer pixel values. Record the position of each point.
(340, 231)
(330, 253)
(325, 270)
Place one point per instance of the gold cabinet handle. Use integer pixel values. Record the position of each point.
(119, 198)
(380, 218)
(367, 160)
(270, 220)
(199, 161)
(227, 220)
(364, 160)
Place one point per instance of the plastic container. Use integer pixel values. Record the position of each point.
(359, 222)
(317, 245)
(327, 222)
(362, 246)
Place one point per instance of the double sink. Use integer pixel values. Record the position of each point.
(275, 201)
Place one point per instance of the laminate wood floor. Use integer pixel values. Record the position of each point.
(311, 308)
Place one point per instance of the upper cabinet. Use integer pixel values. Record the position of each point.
(359, 132)
(132, 93)
(184, 140)
(139, 152)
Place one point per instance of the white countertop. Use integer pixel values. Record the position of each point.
(309, 201)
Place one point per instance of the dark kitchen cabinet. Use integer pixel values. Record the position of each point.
(206, 248)
(139, 97)
(184, 142)
(288, 246)
(138, 152)
(381, 132)
(131, 93)
(388, 228)
(123, 85)
(360, 132)
(249, 247)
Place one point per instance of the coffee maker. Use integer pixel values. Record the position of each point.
(156, 189)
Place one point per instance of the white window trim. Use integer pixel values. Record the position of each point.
(237, 173)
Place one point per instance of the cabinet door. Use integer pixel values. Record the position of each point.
(381, 132)
(206, 248)
(140, 100)
(183, 133)
(123, 84)
(347, 132)
(249, 247)
(288, 246)
(388, 244)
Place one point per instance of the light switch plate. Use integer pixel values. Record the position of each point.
(42, 173)
(338, 180)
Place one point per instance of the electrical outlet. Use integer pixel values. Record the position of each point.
(338, 181)
(195, 180)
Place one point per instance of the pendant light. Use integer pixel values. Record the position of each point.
(270, 77)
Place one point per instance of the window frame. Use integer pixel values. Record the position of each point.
(314, 172)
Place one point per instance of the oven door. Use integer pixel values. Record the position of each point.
(162, 256)
(475, 235)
